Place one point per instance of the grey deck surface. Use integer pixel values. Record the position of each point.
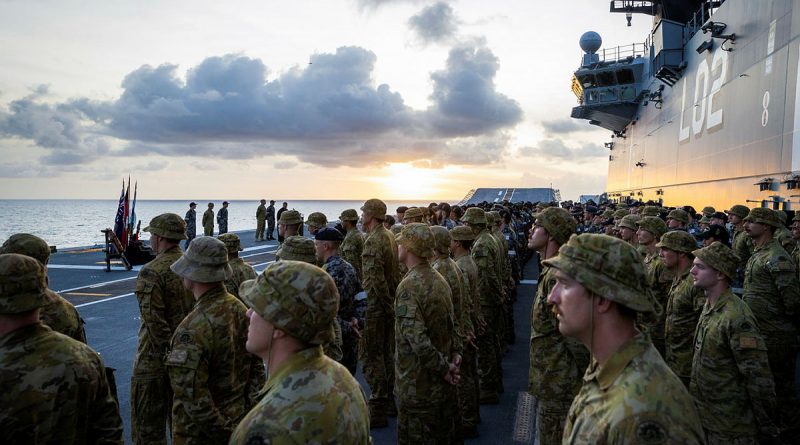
(106, 302)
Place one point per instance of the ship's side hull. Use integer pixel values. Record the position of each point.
(726, 133)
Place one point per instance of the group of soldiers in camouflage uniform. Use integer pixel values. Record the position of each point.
(644, 329)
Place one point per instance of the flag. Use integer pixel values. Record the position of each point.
(132, 219)
(119, 221)
(125, 215)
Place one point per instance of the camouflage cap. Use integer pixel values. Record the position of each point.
(629, 221)
(621, 213)
(290, 217)
(474, 215)
(704, 220)
(462, 233)
(349, 215)
(679, 215)
(23, 286)
(413, 213)
(607, 266)
(441, 238)
(679, 241)
(720, 257)
(739, 210)
(417, 238)
(296, 297)
(654, 225)
(708, 210)
(231, 241)
(608, 214)
(27, 244)
(205, 261)
(782, 216)
(375, 208)
(297, 248)
(316, 219)
(558, 223)
(167, 225)
(764, 215)
(650, 211)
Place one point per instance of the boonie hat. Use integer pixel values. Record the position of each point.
(413, 213)
(22, 284)
(558, 223)
(316, 219)
(231, 241)
(349, 215)
(720, 257)
(462, 233)
(297, 248)
(474, 215)
(679, 215)
(607, 266)
(290, 217)
(27, 244)
(654, 225)
(375, 208)
(417, 238)
(296, 297)
(205, 261)
(679, 241)
(629, 221)
(167, 225)
(442, 238)
(651, 211)
(763, 215)
(739, 210)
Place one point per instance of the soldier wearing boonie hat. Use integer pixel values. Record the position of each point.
(628, 391)
(741, 244)
(381, 274)
(163, 304)
(60, 391)
(650, 211)
(297, 248)
(293, 308)
(485, 254)
(627, 229)
(684, 303)
(772, 291)
(353, 243)
(315, 222)
(208, 367)
(424, 318)
(60, 315)
(289, 224)
(413, 215)
(556, 361)
(677, 219)
(731, 380)
(240, 270)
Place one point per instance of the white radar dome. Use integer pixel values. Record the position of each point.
(590, 42)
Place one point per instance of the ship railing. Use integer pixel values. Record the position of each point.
(707, 9)
(623, 52)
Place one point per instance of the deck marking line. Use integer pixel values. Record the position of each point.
(104, 300)
(93, 286)
(87, 294)
(529, 282)
(79, 267)
(257, 254)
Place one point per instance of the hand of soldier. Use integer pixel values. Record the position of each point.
(457, 360)
(453, 375)
(354, 327)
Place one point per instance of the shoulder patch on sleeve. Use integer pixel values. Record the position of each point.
(747, 342)
(405, 311)
(651, 432)
(177, 357)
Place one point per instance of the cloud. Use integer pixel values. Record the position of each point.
(285, 165)
(557, 150)
(329, 113)
(25, 170)
(375, 4)
(434, 24)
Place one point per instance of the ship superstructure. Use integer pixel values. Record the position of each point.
(703, 111)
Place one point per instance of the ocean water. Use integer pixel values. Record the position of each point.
(78, 223)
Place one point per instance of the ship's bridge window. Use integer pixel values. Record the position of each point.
(606, 78)
(587, 80)
(608, 95)
(625, 76)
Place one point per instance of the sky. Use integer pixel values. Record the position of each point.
(308, 99)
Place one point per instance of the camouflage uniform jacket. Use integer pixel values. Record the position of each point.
(503, 262)
(213, 377)
(271, 213)
(772, 291)
(310, 399)
(208, 219)
(61, 316)
(742, 245)
(424, 334)
(484, 253)
(784, 237)
(59, 392)
(557, 362)
(351, 249)
(163, 304)
(191, 223)
(660, 280)
(241, 273)
(222, 219)
(682, 312)
(449, 270)
(472, 303)
(351, 304)
(380, 271)
(632, 398)
(731, 379)
(261, 213)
